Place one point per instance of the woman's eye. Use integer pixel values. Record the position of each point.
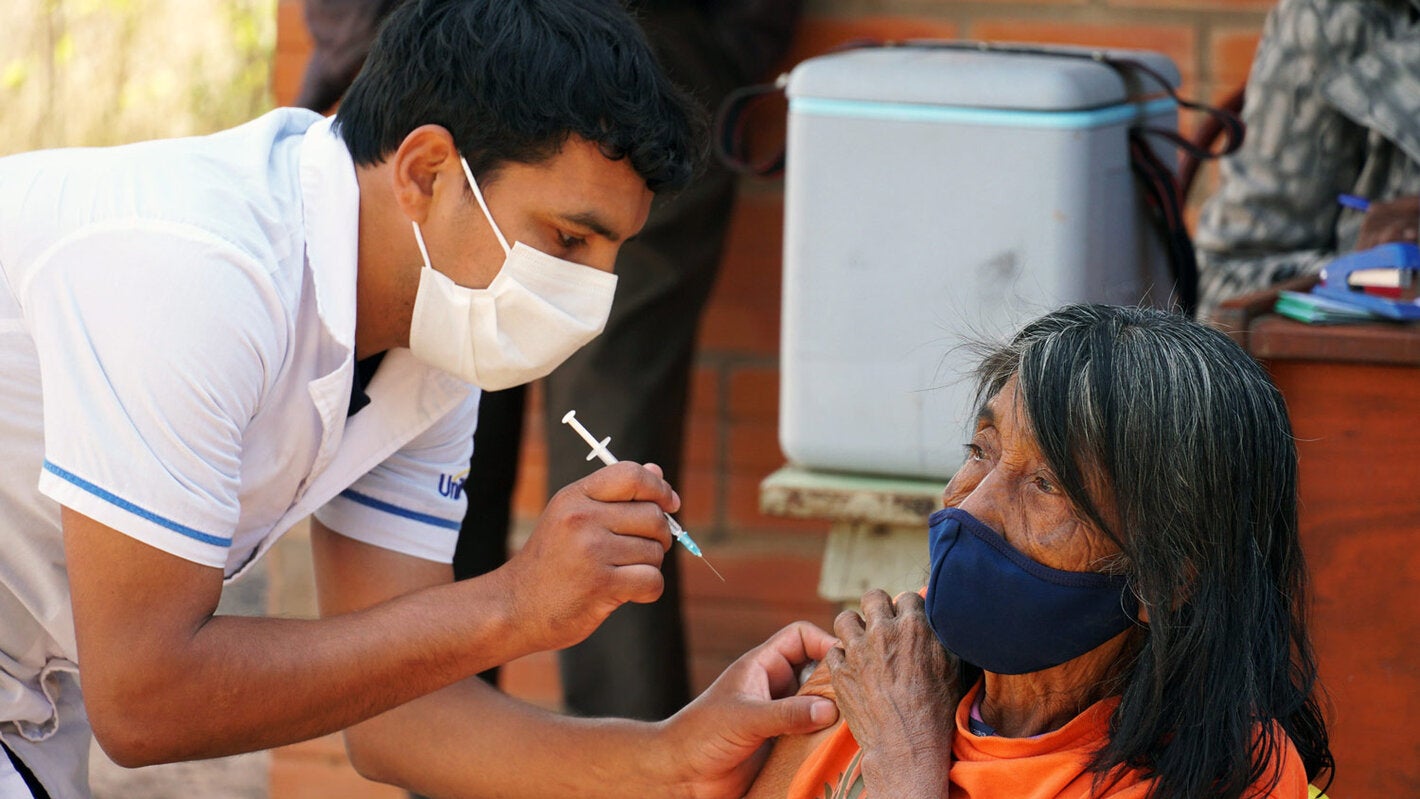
(974, 452)
(1043, 484)
(568, 241)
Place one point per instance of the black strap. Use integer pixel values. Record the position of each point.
(1232, 127)
(31, 781)
(731, 145)
(1162, 193)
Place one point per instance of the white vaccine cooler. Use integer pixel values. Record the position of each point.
(936, 196)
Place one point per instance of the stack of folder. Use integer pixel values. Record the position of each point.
(1318, 310)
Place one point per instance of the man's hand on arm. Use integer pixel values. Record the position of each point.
(470, 740)
(726, 734)
(393, 659)
(788, 753)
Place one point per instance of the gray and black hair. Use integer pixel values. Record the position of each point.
(512, 82)
(1192, 440)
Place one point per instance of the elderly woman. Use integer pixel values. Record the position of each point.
(1115, 603)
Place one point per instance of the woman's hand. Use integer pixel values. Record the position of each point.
(897, 690)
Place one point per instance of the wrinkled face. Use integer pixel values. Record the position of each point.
(1007, 484)
(577, 205)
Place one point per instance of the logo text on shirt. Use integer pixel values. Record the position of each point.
(451, 485)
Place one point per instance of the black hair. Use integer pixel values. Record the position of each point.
(1193, 440)
(512, 80)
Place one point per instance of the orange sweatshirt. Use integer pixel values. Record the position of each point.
(1049, 766)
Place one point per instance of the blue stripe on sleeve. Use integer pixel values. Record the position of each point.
(161, 521)
(371, 502)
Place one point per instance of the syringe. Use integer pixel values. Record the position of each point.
(599, 450)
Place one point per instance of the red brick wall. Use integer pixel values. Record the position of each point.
(772, 564)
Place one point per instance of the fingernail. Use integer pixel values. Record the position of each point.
(823, 712)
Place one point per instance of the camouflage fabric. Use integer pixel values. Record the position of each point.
(1333, 106)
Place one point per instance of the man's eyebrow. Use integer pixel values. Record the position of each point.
(590, 221)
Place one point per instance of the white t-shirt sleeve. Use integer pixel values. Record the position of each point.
(414, 501)
(155, 343)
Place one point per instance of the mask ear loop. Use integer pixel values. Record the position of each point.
(423, 251)
(1133, 613)
(478, 195)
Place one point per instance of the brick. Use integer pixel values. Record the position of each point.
(699, 491)
(286, 72)
(754, 447)
(1191, 213)
(1176, 41)
(770, 572)
(753, 245)
(743, 311)
(702, 442)
(293, 47)
(818, 35)
(740, 329)
(533, 678)
(753, 280)
(318, 769)
(731, 629)
(705, 391)
(1197, 8)
(291, 31)
(1232, 50)
(754, 394)
(530, 493)
(1204, 184)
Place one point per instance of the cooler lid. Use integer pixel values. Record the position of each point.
(971, 75)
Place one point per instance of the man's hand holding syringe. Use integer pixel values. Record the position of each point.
(599, 450)
(599, 543)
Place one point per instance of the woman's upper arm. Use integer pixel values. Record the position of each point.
(788, 753)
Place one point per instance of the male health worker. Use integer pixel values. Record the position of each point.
(204, 341)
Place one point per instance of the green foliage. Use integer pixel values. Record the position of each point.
(96, 72)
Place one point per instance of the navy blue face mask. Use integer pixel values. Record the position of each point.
(997, 609)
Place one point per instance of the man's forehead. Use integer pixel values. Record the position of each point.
(581, 186)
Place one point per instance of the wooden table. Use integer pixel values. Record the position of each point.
(1353, 395)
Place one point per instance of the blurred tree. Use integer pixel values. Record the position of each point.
(97, 72)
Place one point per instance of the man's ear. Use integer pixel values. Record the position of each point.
(420, 168)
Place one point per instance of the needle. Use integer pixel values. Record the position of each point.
(599, 450)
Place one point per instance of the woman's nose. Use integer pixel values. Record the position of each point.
(984, 500)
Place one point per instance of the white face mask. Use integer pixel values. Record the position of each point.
(536, 312)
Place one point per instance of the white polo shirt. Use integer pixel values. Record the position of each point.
(177, 322)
